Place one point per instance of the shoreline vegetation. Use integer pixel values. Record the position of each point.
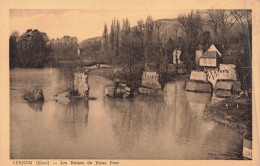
(155, 43)
(235, 113)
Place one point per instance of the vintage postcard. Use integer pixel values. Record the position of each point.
(129, 83)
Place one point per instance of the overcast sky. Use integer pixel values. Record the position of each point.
(83, 24)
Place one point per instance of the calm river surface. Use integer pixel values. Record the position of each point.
(170, 126)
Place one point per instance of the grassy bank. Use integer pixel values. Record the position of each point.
(234, 113)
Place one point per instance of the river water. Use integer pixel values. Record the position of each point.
(169, 126)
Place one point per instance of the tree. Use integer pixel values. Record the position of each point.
(149, 31)
(158, 43)
(212, 20)
(96, 48)
(244, 67)
(162, 61)
(32, 49)
(192, 26)
(13, 50)
(226, 23)
(244, 18)
(176, 45)
(105, 43)
(221, 21)
(206, 41)
(139, 34)
(38, 50)
(129, 59)
(117, 36)
(170, 49)
(112, 39)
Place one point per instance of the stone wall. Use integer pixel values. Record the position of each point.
(197, 86)
(198, 76)
(225, 72)
(224, 85)
(151, 80)
(228, 67)
(81, 83)
(226, 75)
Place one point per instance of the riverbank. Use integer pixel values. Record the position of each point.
(233, 113)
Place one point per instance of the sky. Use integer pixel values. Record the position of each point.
(81, 23)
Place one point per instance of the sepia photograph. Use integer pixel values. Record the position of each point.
(130, 84)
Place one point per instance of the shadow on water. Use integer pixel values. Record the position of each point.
(37, 107)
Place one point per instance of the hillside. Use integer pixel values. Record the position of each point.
(169, 22)
(90, 48)
(88, 42)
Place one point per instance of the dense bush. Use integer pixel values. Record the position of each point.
(28, 50)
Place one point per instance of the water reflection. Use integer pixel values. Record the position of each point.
(145, 119)
(36, 106)
(126, 121)
(198, 102)
(73, 117)
(167, 126)
(137, 124)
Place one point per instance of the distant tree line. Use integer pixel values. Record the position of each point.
(63, 48)
(33, 49)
